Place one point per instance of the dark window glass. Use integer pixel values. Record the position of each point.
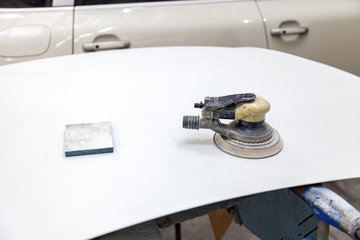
(25, 3)
(97, 2)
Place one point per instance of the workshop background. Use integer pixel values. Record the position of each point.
(71, 30)
(200, 228)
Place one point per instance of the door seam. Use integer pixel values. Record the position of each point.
(264, 25)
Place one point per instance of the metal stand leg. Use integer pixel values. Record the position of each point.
(178, 231)
(323, 230)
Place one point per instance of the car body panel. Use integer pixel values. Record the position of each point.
(333, 36)
(20, 37)
(334, 30)
(197, 23)
(34, 33)
(159, 168)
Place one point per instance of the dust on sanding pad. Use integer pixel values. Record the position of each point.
(88, 138)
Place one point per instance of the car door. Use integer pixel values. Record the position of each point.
(109, 24)
(327, 31)
(32, 29)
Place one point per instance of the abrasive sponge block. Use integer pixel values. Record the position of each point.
(88, 138)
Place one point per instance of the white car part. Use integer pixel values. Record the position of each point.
(157, 167)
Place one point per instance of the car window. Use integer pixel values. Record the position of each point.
(96, 2)
(25, 3)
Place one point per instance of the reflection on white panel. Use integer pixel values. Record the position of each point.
(59, 3)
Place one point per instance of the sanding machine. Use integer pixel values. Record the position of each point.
(247, 135)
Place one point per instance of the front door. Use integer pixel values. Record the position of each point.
(115, 24)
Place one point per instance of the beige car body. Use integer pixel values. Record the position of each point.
(33, 33)
(332, 36)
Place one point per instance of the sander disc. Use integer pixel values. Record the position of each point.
(250, 150)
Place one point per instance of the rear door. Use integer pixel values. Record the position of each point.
(327, 31)
(32, 29)
(111, 24)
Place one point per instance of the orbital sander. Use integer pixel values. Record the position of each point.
(248, 135)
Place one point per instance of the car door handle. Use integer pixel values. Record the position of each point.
(98, 46)
(289, 31)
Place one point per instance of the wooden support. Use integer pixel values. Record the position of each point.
(220, 222)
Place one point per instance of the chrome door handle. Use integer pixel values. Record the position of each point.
(289, 31)
(98, 46)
